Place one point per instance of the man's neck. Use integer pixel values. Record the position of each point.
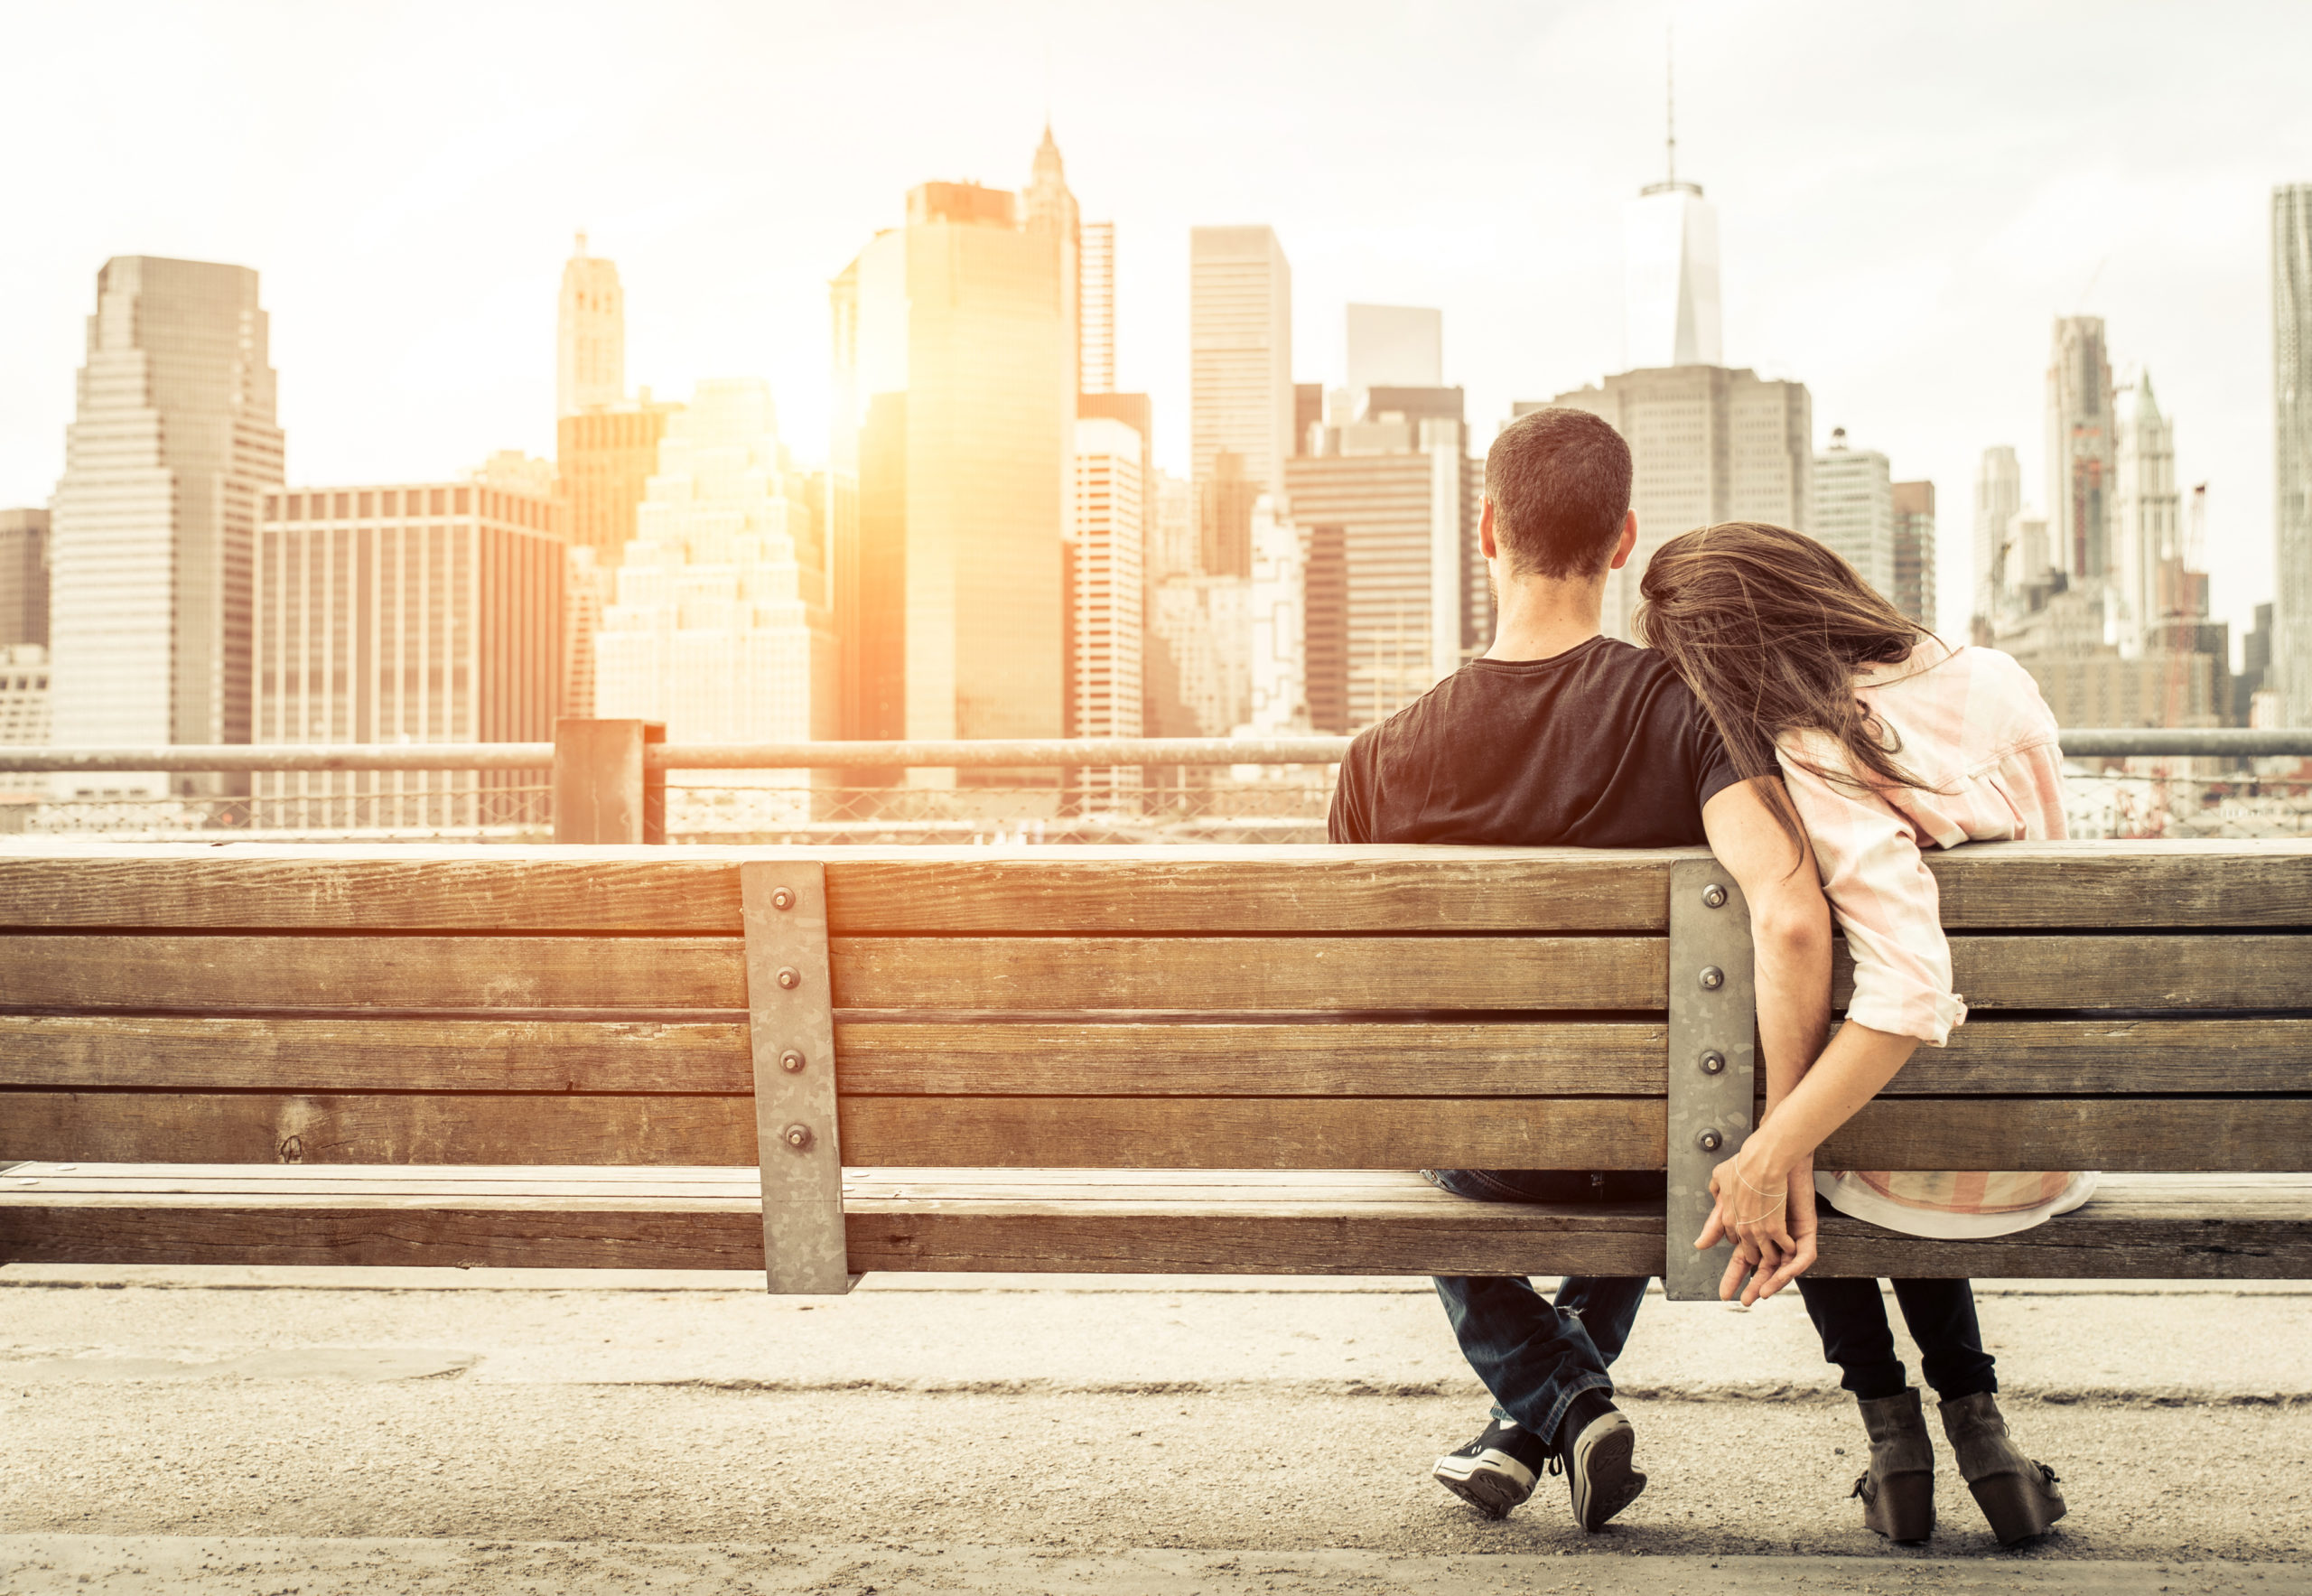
(1542, 618)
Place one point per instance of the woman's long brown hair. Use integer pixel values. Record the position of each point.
(1769, 628)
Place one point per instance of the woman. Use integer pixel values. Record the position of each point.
(1889, 742)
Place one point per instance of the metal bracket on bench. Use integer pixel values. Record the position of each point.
(1713, 1021)
(790, 1000)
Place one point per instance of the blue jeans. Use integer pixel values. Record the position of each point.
(1534, 1357)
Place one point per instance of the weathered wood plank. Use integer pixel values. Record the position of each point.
(2209, 971)
(2058, 1058)
(2144, 1227)
(362, 1055)
(1358, 1059)
(1256, 1133)
(254, 1127)
(1243, 974)
(2271, 1135)
(1446, 1059)
(1009, 1133)
(218, 973)
(1142, 891)
(2025, 1058)
(2103, 885)
(1136, 891)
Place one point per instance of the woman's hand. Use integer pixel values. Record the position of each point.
(1770, 1223)
(1763, 1282)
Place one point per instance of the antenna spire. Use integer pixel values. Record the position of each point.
(1670, 94)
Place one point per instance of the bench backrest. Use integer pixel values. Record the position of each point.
(2136, 1007)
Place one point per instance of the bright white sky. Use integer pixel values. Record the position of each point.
(1907, 196)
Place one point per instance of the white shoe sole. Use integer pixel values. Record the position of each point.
(1599, 1472)
(1492, 1483)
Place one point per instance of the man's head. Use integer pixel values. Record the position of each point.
(1557, 483)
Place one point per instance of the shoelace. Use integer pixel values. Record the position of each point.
(1861, 1481)
(1556, 1465)
(2053, 1478)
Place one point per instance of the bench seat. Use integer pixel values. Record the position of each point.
(1059, 1221)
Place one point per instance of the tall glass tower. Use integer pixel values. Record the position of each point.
(2292, 448)
(172, 443)
(1670, 289)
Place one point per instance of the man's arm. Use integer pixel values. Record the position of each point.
(1790, 933)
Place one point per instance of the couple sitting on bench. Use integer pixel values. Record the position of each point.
(1818, 739)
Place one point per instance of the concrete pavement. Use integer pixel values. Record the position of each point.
(527, 1433)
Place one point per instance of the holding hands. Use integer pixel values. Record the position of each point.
(1768, 1215)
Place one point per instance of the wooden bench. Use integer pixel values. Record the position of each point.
(1157, 1060)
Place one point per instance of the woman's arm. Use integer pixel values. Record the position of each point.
(1790, 934)
(1876, 881)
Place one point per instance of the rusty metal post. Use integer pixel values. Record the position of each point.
(790, 1001)
(1713, 1056)
(603, 791)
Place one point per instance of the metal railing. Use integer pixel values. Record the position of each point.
(609, 782)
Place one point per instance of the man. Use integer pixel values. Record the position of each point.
(1560, 735)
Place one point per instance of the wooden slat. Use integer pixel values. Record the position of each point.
(1355, 1059)
(1238, 974)
(218, 973)
(2027, 1057)
(2103, 885)
(361, 1054)
(2271, 1134)
(1011, 1133)
(2144, 1227)
(1118, 890)
(1310, 889)
(2141, 972)
(2058, 1058)
(1239, 1132)
(1452, 1058)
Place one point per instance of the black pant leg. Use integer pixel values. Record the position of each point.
(1941, 1316)
(1851, 1319)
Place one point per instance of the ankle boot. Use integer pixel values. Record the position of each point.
(2017, 1495)
(1897, 1490)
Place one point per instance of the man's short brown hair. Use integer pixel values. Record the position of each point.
(1559, 480)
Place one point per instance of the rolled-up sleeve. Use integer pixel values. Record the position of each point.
(1883, 894)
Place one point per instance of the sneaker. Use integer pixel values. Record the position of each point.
(1598, 1471)
(1498, 1469)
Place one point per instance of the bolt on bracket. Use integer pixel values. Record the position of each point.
(1713, 1062)
(790, 1001)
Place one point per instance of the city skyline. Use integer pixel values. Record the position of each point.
(1967, 234)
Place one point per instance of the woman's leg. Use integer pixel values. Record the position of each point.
(1941, 1316)
(1851, 1319)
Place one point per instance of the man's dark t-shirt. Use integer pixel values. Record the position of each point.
(1599, 747)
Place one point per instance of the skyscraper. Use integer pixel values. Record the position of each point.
(2082, 441)
(1998, 499)
(2291, 665)
(955, 382)
(1854, 510)
(1708, 443)
(172, 443)
(721, 627)
(590, 335)
(2149, 523)
(1670, 292)
(23, 577)
(1240, 372)
(607, 455)
(1395, 346)
(1096, 311)
(427, 612)
(1395, 594)
(1277, 690)
(1914, 593)
(1107, 536)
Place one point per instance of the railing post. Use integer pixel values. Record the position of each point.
(602, 793)
(1713, 1054)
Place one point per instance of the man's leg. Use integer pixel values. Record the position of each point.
(1552, 1398)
